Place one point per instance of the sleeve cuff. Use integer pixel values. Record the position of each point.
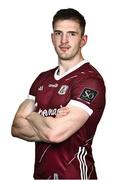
(31, 97)
(81, 105)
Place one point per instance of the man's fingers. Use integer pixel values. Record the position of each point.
(62, 111)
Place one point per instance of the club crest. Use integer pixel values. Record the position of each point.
(63, 89)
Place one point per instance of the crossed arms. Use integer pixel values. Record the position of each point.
(31, 126)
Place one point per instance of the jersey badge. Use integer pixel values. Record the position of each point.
(63, 89)
(88, 94)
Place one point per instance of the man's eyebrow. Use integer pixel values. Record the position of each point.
(57, 31)
(75, 32)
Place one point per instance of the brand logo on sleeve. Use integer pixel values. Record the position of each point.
(63, 89)
(88, 94)
(40, 88)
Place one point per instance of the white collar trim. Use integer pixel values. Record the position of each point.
(58, 77)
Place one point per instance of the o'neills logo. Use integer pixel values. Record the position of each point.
(53, 85)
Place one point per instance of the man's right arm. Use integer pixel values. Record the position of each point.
(21, 128)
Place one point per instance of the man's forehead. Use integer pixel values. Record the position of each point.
(69, 25)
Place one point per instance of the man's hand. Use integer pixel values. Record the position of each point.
(63, 111)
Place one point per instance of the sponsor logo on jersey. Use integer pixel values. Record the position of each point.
(88, 94)
(48, 112)
(40, 88)
(63, 89)
(53, 85)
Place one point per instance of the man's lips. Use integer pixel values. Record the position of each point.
(64, 48)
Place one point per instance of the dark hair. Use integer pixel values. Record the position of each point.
(72, 14)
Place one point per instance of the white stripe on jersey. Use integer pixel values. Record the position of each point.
(81, 105)
(82, 162)
(44, 152)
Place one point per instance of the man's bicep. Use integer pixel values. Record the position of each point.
(21, 128)
(66, 126)
(25, 108)
(77, 116)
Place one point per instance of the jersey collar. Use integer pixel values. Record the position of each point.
(58, 77)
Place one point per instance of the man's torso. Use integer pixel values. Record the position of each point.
(71, 159)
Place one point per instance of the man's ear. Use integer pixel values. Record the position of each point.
(52, 38)
(84, 40)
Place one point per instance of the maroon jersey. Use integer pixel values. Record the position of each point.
(81, 86)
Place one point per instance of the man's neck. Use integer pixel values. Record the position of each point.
(65, 65)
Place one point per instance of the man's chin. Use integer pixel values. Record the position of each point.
(66, 58)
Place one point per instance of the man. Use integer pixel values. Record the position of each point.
(64, 106)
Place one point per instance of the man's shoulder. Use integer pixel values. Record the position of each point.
(47, 73)
(91, 72)
(44, 76)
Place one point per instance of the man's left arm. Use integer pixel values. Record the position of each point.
(60, 128)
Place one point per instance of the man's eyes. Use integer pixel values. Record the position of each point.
(58, 33)
(68, 34)
(72, 34)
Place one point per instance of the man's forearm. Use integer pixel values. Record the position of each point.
(23, 130)
(23, 135)
(40, 126)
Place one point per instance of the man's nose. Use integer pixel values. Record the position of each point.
(64, 38)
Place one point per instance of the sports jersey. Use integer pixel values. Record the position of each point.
(81, 86)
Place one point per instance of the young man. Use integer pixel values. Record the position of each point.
(64, 106)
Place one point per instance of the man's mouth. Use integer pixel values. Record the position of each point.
(64, 48)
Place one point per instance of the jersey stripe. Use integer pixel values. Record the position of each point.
(81, 105)
(82, 162)
(44, 152)
(31, 97)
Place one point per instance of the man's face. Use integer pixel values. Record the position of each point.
(67, 39)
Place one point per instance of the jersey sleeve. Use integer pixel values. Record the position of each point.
(34, 87)
(88, 94)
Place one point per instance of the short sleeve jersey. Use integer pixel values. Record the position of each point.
(81, 86)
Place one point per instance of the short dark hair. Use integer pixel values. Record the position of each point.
(70, 14)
